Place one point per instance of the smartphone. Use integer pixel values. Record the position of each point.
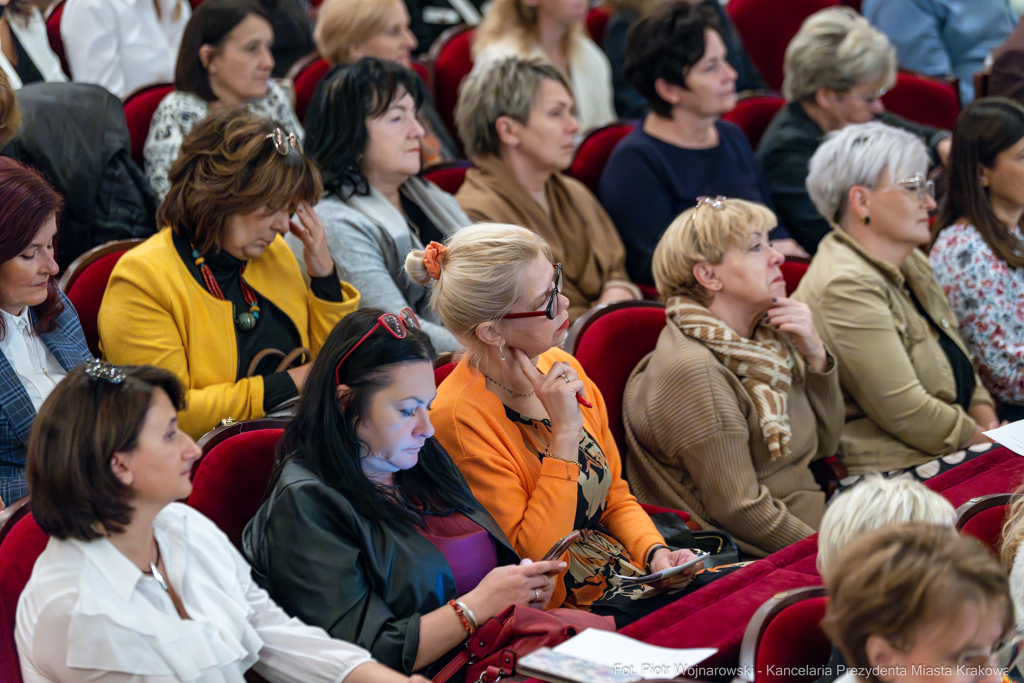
(665, 573)
(560, 547)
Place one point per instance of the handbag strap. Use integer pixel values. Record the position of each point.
(286, 359)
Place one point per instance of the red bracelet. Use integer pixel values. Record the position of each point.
(462, 616)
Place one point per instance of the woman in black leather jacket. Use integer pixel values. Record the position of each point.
(369, 529)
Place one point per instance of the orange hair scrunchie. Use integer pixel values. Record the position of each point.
(433, 257)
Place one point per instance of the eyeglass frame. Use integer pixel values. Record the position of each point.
(869, 99)
(403, 320)
(1016, 641)
(551, 309)
(917, 183)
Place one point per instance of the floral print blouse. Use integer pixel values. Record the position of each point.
(180, 111)
(987, 296)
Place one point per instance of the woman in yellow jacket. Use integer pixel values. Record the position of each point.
(217, 286)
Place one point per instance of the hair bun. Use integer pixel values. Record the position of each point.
(416, 268)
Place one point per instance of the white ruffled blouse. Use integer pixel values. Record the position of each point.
(88, 611)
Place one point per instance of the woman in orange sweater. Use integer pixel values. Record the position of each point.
(542, 462)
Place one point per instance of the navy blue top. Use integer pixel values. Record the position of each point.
(648, 182)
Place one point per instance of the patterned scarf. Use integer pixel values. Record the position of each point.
(763, 364)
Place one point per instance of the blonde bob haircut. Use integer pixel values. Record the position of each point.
(873, 503)
(896, 581)
(858, 155)
(702, 235)
(518, 20)
(506, 87)
(836, 48)
(483, 276)
(343, 24)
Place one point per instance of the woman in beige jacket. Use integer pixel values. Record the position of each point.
(912, 394)
(740, 394)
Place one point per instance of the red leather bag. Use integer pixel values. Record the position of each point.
(516, 631)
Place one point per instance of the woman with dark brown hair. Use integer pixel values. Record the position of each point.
(217, 285)
(40, 336)
(133, 586)
(978, 255)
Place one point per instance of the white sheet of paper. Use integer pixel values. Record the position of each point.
(632, 656)
(1011, 436)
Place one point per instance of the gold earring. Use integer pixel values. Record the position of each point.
(502, 353)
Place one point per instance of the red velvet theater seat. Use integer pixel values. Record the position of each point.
(926, 100)
(983, 518)
(139, 108)
(305, 81)
(452, 61)
(753, 114)
(18, 553)
(232, 478)
(609, 341)
(793, 269)
(784, 636)
(448, 175)
(592, 154)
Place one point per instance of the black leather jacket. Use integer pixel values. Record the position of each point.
(325, 563)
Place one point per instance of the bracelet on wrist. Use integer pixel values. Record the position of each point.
(652, 551)
(555, 457)
(465, 615)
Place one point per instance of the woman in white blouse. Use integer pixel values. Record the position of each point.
(552, 29)
(25, 54)
(225, 62)
(133, 586)
(123, 45)
(40, 336)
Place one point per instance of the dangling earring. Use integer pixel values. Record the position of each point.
(502, 353)
(865, 220)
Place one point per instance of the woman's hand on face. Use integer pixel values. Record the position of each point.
(665, 558)
(528, 583)
(310, 230)
(557, 392)
(794, 319)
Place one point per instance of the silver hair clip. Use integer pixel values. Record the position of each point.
(97, 369)
(716, 203)
(283, 142)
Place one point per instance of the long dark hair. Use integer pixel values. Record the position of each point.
(985, 128)
(322, 437)
(347, 95)
(27, 201)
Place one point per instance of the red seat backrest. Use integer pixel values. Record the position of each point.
(754, 114)
(138, 112)
(597, 22)
(86, 294)
(305, 85)
(441, 373)
(452, 62)
(987, 527)
(449, 178)
(18, 554)
(232, 479)
(54, 38)
(592, 154)
(793, 272)
(793, 639)
(766, 28)
(925, 100)
(615, 340)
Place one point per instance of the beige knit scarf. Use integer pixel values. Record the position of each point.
(763, 364)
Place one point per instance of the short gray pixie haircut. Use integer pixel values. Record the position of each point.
(836, 48)
(858, 155)
(874, 503)
(507, 87)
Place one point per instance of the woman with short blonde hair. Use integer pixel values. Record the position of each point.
(912, 394)
(837, 68)
(724, 418)
(553, 30)
(527, 427)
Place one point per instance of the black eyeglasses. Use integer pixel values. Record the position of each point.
(552, 307)
(398, 325)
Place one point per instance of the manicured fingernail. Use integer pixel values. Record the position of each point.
(562, 565)
(765, 314)
(774, 300)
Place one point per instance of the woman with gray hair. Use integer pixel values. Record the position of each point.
(913, 397)
(516, 119)
(837, 69)
(740, 396)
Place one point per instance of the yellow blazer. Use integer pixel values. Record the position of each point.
(154, 312)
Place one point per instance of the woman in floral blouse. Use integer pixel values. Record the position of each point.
(978, 255)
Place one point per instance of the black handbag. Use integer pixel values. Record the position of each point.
(720, 546)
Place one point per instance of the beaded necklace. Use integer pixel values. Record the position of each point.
(511, 391)
(246, 320)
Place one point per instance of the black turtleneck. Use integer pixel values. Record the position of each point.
(273, 330)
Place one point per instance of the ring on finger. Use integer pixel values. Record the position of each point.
(565, 376)
(536, 594)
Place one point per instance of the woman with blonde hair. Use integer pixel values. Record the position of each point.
(913, 397)
(725, 416)
(554, 30)
(837, 69)
(1010, 543)
(527, 427)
